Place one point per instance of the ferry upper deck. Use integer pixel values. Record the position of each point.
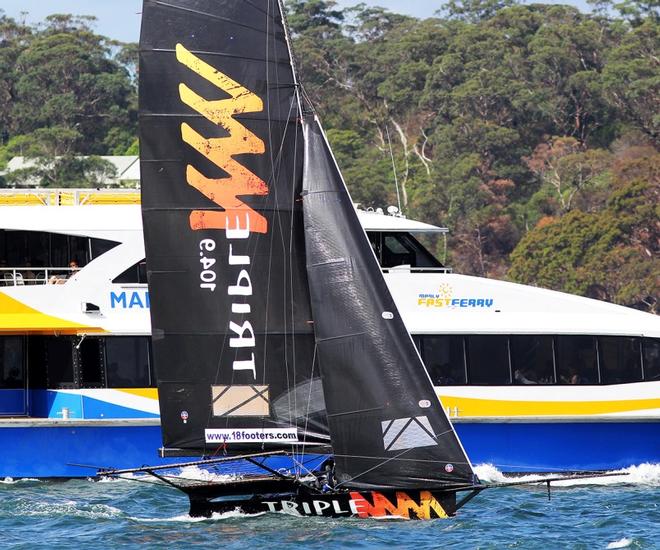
(470, 331)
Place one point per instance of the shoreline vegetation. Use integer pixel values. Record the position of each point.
(531, 131)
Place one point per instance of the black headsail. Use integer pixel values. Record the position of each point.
(221, 160)
(387, 425)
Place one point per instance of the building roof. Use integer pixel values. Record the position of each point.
(127, 169)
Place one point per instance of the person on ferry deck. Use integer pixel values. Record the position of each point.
(61, 279)
(28, 274)
(73, 266)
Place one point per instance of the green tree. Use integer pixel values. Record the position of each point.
(475, 10)
(631, 78)
(66, 79)
(14, 37)
(611, 254)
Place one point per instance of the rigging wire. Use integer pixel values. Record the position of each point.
(295, 97)
(396, 179)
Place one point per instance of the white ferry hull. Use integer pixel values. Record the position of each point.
(518, 428)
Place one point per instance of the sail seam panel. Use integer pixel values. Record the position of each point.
(207, 53)
(212, 16)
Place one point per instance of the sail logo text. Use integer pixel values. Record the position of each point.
(364, 505)
(237, 218)
(129, 300)
(432, 300)
(221, 150)
(443, 297)
(250, 435)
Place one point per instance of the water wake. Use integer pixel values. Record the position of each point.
(11, 480)
(621, 543)
(193, 473)
(642, 474)
(185, 518)
(69, 509)
(202, 474)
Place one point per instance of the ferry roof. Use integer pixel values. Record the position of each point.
(371, 220)
(378, 221)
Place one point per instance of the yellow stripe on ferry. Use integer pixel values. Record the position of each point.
(148, 393)
(468, 407)
(15, 316)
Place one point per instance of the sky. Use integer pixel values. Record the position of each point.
(120, 19)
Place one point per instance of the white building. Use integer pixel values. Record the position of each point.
(127, 171)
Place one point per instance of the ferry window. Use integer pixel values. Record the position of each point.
(37, 250)
(15, 247)
(127, 362)
(376, 244)
(488, 360)
(26, 247)
(619, 359)
(531, 359)
(404, 249)
(42, 249)
(651, 347)
(59, 362)
(59, 251)
(444, 359)
(36, 361)
(137, 273)
(576, 360)
(417, 340)
(100, 246)
(11, 362)
(78, 250)
(90, 363)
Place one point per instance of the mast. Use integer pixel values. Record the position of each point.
(221, 160)
(294, 70)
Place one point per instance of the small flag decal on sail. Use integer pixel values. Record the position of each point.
(407, 433)
(240, 400)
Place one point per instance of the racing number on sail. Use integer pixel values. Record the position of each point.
(237, 218)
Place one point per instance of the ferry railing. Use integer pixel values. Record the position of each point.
(22, 276)
(67, 197)
(410, 269)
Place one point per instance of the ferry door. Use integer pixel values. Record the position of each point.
(13, 379)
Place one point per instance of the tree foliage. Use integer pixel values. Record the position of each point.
(530, 130)
(68, 92)
(509, 123)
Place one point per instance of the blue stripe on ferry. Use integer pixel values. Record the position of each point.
(95, 408)
(12, 401)
(553, 446)
(50, 403)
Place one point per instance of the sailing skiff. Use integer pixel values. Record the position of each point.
(274, 331)
(273, 328)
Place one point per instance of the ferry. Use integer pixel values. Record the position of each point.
(533, 380)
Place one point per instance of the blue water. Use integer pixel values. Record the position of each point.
(130, 514)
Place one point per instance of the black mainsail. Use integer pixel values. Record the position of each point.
(221, 161)
(387, 425)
